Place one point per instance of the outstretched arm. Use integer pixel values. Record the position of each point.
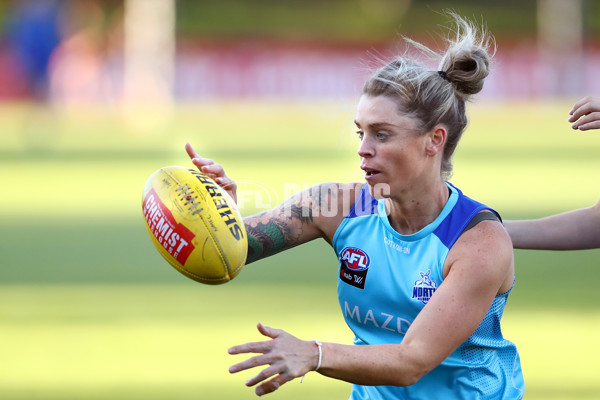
(313, 213)
(298, 220)
(573, 230)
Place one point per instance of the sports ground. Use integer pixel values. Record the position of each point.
(89, 310)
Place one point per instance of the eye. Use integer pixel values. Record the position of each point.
(360, 134)
(381, 135)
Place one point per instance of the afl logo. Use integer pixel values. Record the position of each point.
(355, 259)
(354, 265)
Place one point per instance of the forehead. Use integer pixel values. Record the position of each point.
(375, 110)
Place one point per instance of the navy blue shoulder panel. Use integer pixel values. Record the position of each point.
(455, 223)
(365, 204)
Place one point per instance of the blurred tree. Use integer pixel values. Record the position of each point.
(345, 20)
(560, 39)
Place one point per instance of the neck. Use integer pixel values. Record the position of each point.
(411, 212)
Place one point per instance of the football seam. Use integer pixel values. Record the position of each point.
(213, 239)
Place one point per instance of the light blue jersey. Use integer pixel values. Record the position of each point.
(385, 280)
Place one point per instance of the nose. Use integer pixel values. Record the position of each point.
(366, 148)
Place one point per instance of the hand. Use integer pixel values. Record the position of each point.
(213, 171)
(586, 114)
(287, 358)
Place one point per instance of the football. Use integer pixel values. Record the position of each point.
(194, 224)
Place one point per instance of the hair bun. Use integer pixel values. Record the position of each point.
(467, 61)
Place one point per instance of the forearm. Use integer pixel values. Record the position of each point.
(267, 236)
(313, 213)
(281, 228)
(388, 364)
(573, 230)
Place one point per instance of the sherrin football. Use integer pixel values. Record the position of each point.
(194, 224)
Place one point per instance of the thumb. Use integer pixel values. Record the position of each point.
(268, 331)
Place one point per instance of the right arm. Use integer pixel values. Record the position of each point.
(298, 220)
(313, 213)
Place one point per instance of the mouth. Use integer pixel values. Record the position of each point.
(370, 173)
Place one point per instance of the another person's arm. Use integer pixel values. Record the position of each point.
(585, 114)
(573, 230)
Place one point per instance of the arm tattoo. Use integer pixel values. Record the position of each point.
(264, 239)
(281, 228)
(269, 234)
(304, 214)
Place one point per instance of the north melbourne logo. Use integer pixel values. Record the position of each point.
(424, 287)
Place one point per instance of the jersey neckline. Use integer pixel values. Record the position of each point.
(450, 203)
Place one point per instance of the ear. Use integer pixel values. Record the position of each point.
(436, 140)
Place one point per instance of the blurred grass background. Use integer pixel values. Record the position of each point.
(89, 310)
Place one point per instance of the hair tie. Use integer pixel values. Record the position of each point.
(444, 76)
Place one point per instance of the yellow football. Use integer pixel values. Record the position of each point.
(195, 225)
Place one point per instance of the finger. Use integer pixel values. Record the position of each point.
(252, 347)
(190, 151)
(579, 104)
(265, 374)
(588, 119)
(214, 169)
(580, 112)
(588, 126)
(252, 363)
(200, 161)
(270, 386)
(226, 183)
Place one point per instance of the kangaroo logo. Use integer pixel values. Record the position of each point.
(424, 287)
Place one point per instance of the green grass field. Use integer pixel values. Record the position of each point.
(89, 310)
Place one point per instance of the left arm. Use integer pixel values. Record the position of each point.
(479, 266)
(573, 230)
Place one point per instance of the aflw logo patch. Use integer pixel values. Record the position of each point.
(424, 287)
(354, 265)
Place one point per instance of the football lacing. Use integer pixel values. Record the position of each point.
(186, 193)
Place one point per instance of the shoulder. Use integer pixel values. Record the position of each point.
(484, 253)
(330, 202)
(332, 198)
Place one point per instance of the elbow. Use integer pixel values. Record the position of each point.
(407, 374)
(413, 366)
(406, 379)
(410, 378)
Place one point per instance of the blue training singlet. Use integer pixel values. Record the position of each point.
(385, 280)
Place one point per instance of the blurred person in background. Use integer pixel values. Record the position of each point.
(81, 66)
(424, 271)
(572, 230)
(34, 33)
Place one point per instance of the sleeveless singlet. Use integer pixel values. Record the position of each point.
(386, 278)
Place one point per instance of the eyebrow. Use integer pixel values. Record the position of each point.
(378, 125)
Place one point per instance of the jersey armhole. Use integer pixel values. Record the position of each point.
(485, 215)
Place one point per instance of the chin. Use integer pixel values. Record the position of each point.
(379, 190)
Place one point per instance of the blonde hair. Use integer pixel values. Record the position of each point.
(438, 97)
